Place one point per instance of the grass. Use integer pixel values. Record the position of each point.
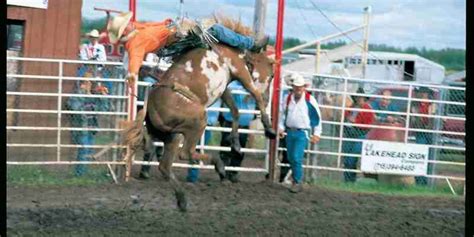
(52, 176)
(365, 185)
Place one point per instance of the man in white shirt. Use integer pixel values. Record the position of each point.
(301, 119)
(93, 50)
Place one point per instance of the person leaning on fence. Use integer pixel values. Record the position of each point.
(141, 38)
(424, 108)
(86, 120)
(354, 131)
(385, 104)
(299, 115)
(242, 102)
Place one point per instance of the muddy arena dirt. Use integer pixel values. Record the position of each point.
(252, 207)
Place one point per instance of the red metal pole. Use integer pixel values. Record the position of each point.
(132, 100)
(132, 6)
(276, 87)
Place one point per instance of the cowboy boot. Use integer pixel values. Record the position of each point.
(260, 43)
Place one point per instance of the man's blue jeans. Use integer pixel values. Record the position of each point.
(350, 147)
(193, 173)
(296, 142)
(227, 36)
(83, 153)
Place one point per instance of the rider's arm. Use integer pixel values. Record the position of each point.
(135, 58)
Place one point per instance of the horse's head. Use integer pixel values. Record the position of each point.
(261, 70)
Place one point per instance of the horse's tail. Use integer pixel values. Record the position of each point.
(133, 133)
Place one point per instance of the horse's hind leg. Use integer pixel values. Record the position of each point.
(171, 149)
(148, 156)
(188, 152)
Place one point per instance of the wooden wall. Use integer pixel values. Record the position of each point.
(48, 33)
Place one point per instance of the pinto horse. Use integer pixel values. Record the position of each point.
(176, 107)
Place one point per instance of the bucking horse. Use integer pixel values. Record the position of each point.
(176, 106)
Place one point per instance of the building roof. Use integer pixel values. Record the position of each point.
(457, 76)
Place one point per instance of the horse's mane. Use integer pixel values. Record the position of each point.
(236, 26)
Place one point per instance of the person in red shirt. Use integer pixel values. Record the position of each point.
(355, 131)
(425, 108)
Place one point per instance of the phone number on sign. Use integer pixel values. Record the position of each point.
(383, 166)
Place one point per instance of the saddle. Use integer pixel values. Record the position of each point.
(196, 37)
(182, 46)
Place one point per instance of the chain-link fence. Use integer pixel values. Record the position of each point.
(357, 110)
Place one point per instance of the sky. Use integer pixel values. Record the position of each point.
(434, 24)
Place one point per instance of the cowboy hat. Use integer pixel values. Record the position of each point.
(93, 34)
(298, 80)
(117, 25)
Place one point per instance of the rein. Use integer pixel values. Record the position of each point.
(184, 91)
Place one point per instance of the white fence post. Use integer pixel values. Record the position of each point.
(60, 91)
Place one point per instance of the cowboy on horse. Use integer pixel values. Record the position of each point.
(176, 106)
(141, 38)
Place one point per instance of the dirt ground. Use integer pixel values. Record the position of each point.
(252, 207)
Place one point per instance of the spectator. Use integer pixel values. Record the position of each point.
(89, 121)
(141, 38)
(299, 115)
(354, 131)
(245, 102)
(212, 116)
(93, 51)
(424, 108)
(385, 104)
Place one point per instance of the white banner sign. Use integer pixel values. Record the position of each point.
(43, 4)
(394, 158)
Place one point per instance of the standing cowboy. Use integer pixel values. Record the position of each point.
(301, 119)
(142, 38)
(91, 51)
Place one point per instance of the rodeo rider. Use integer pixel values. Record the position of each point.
(141, 38)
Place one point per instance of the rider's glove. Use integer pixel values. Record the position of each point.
(131, 79)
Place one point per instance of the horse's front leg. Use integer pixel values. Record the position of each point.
(246, 81)
(234, 135)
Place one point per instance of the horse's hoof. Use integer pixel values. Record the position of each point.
(270, 133)
(236, 148)
(219, 167)
(182, 202)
